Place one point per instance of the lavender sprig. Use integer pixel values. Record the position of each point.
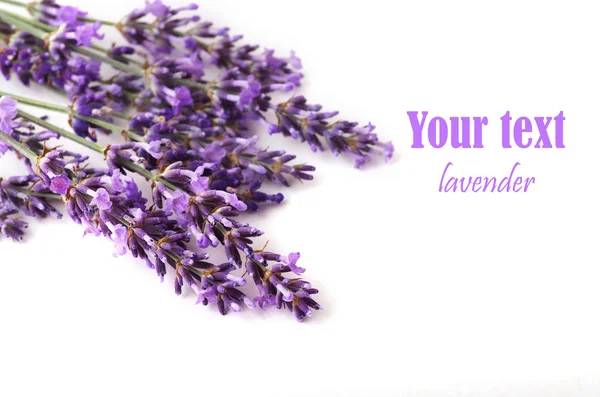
(208, 214)
(27, 195)
(10, 227)
(21, 195)
(109, 205)
(230, 163)
(236, 96)
(191, 139)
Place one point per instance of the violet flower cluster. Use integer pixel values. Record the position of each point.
(22, 196)
(192, 136)
(108, 203)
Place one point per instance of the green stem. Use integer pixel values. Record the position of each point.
(102, 21)
(25, 5)
(21, 25)
(49, 29)
(41, 30)
(25, 25)
(110, 126)
(137, 69)
(105, 51)
(19, 147)
(64, 133)
(38, 194)
(69, 111)
(32, 22)
(14, 3)
(188, 33)
(56, 108)
(109, 61)
(33, 102)
(189, 83)
(95, 147)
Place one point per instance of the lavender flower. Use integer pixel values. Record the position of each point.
(241, 155)
(27, 195)
(193, 143)
(8, 113)
(280, 288)
(164, 36)
(91, 105)
(253, 197)
(6, 30)
(180, 99)
(68, 35)
(237, 89)
(299, 120)
(51, 13)
(120, 52)
(104, 204)
(137, 31)
(70, 15)
(10, 227)
(29, 59)
(54, 166)
(115, 154)
(260, 164)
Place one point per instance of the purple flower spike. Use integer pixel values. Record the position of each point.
(300, 120)
(51, 168)
(9, 227)
(277, 287)
(14, 195)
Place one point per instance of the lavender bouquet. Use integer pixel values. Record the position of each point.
(187, 102)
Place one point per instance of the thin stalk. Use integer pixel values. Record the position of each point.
(105, 51)
(101, 123)
(96, 148)
(57, 108)
(64, 133)
(70, 112)
(32, 22)
(38, 194)
(43, 29)
(193, 84)
(102, 21)
(137, 67)
(109, 61)
(49, 29)
(14, 3)
(188, 33)
(33, 102)
(24, 25)
(84, 19)
(21, 25)
(19, 147)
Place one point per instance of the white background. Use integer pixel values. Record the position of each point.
(426, 294)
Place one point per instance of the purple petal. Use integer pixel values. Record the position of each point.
(60, 184)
